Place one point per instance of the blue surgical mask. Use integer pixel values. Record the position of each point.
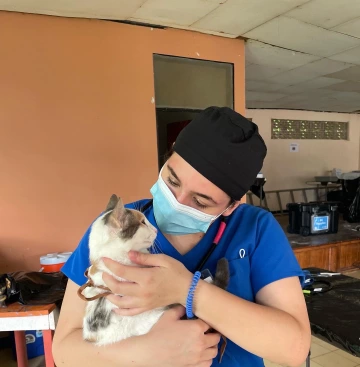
(175, 218)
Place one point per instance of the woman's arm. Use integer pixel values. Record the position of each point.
(276, 327)
(71, 350)
(171, 342)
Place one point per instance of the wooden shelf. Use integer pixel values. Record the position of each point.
(335, 252)
(332, 256)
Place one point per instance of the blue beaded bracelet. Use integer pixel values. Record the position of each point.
(190, 297)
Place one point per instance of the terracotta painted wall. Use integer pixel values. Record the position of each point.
(77, 123)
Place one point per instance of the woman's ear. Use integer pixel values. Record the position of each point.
(231, 208)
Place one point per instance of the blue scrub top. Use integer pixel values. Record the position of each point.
(255, 245)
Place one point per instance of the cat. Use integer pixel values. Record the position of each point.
(113, 235)
(117, 231)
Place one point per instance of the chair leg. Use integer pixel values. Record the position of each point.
(308, 361)
(21, 353)
(48, 337)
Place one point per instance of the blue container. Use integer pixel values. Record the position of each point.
(34, 344)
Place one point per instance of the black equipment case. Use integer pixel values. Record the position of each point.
(313, 218)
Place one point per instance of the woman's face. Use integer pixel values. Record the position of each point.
(192, 189)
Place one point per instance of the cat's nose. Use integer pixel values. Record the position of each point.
(156, 231)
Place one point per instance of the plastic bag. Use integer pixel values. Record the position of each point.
(34, 288)
(334, 315)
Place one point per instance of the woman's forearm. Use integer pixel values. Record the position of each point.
(73, 351)
(265, 331)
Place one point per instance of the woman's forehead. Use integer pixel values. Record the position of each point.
(194, 181)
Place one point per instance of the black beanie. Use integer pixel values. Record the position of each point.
(224, 147)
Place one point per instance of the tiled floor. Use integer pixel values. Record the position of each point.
(7, 361)
(322, 354)
(325, 355)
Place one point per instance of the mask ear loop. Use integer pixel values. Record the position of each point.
(231, 205)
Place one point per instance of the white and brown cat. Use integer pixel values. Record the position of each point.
(113, 235)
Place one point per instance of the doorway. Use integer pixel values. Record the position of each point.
(183, 88)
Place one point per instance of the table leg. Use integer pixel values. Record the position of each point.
(308, 360)
(48, 336)
(21, 353)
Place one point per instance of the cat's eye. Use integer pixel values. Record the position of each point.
(143, 222)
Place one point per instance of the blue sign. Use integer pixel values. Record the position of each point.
(321, 223)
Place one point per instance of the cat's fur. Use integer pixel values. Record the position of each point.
(113, 235)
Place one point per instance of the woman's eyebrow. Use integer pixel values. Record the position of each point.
(207, 197)
(173, 173)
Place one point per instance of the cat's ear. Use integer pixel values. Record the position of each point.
(118, 214)
(112, 202)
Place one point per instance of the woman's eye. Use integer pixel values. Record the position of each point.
(172, 183)
(202, 206)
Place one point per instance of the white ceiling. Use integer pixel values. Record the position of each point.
(300, 54)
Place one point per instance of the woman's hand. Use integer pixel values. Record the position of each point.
(162, 281)
(178, 343)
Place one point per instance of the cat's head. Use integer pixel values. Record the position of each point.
(120, 230)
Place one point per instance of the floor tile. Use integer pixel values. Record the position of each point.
(323, 344)
(318, 350)
(6, 360)
(333, 359)
(355, 274)
(348, 356)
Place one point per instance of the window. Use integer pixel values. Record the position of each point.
(301, 129)
(192, 84)
(183, 88)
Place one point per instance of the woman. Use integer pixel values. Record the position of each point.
(262, 314)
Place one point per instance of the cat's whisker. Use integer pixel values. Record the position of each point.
(153, 249)
(157, 250)
(156, 247)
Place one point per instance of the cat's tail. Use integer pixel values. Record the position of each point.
(222, 275)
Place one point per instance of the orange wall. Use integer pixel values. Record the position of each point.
(77, 123)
